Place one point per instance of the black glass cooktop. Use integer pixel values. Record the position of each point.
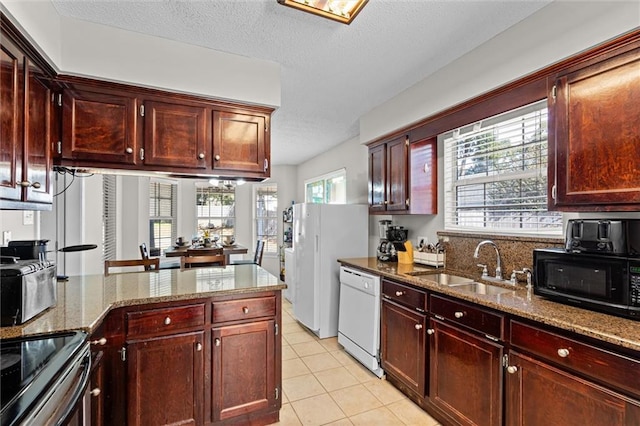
(29, 366)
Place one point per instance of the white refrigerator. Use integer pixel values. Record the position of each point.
(322, 234)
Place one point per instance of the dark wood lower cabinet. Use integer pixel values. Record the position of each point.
(166, 380)
(243, 370)
(466, 375)
(538, 394)
(403, 345)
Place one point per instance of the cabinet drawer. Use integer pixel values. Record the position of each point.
(405, 295)
(234, 310)
(475, 317)
(608, 367)
(165, 320)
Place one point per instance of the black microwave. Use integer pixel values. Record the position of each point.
(609, 284)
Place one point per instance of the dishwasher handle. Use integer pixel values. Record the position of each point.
(79, 391)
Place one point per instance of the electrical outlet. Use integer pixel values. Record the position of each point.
(6, 237)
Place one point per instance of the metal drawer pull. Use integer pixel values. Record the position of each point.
(95, 392)
(217, 158)
(399, 293)
(563, 352)
(217, 342)
(129, 150)
(430, 331)
(198, 346)
(101, 341)
(458, 314)
(512, 369)
(245, 310)
(201, 155)
(167, 321)
(418, 326)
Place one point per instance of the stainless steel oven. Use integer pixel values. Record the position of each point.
(43, 378)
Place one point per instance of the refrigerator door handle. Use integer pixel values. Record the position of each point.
(317, 243)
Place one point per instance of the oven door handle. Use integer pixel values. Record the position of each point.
(79, 391)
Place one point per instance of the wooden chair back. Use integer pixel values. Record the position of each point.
(146, 263)
(203, 257)
(257, 256)
(144, 254)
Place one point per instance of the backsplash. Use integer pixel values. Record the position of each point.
(516, 252)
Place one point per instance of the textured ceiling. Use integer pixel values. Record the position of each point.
(331, 73)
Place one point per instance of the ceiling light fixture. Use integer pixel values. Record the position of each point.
(339, 10)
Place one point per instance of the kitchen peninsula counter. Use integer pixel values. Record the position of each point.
(84, 301)
(520, 302)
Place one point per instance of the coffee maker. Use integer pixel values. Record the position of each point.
(390, 237)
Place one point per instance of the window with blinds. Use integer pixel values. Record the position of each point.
(266, 216)
(216, 210)
(162, 216)
(496, 175)
(108, 217)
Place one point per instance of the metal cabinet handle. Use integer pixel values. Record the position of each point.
(25, 184)
(167, 321)
(430, 331)
(101, 341)
(198, 346)
(418, 326)
(266, 164)
(201, 155)
(129, 150)
(217, 342)
(512, 369)
(217, 158)
(36, 185)
(245, 310)
(399, 293)
(95, 392)
(458, 314)
(562, 352)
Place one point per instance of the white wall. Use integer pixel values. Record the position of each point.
(555, 32)
(84, 48)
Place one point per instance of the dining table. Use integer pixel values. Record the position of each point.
(227, 250)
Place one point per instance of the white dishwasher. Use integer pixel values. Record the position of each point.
(359, 317)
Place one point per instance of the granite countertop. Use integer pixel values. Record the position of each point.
(83, 301)
(521, 302)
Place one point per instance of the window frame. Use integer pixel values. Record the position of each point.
(340, 173)
(538, 174)
(221, 189)
(172, 219)
(267, 251)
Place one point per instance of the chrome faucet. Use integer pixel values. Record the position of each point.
(498, 261)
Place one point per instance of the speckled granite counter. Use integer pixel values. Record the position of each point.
(521, 302)
(83, 301)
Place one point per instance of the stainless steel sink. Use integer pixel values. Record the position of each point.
(446, 279)
(480, 288)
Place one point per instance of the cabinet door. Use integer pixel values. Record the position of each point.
(165, 380)
(377, 178)
(11, 124)
(465, 375)
(397, 155)
(240, 142)
(541, 395)
(175, 135)
(423, 180)
(243, 369)
(595, 136)
(98, 127)
(403, 345)
(39, 137)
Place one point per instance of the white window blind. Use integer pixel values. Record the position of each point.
(216, 209)
(109, 217)
(266, 215)
(496, 175)
(163, 200)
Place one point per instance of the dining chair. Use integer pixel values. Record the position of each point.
(144, 254)
(257, 256)
(146, 263)
(203, 257)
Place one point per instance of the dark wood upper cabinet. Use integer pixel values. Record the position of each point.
(98, 127)
(423, 178)
(27, 128)
(594, 135)
(241, 142)
(175, 135)
(388, 177)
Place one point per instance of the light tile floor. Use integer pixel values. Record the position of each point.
(323, 385)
